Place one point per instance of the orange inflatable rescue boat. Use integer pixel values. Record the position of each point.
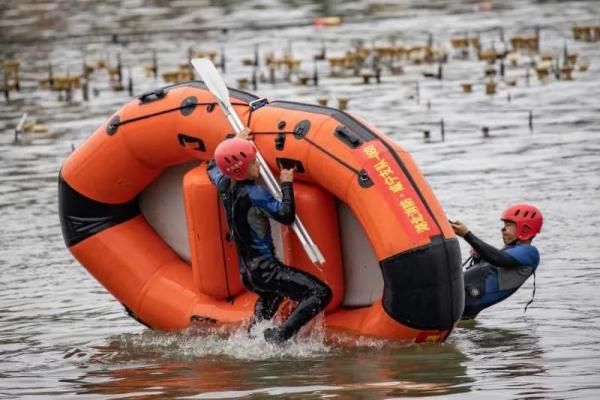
(139, 213)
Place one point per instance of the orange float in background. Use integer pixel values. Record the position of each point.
(140, 214)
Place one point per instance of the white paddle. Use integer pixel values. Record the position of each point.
(211, 77)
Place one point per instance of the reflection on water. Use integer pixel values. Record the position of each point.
(189, 363)
(62, 335)
(505, 358)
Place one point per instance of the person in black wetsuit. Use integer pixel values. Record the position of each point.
(494, 274)
(249, 206)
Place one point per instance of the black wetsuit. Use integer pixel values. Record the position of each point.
(249, 207)
(496, 274)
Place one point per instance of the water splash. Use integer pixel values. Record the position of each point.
(239, 344)
(218, 341)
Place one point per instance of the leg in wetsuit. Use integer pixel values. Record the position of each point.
(269, 278)
(267, 303)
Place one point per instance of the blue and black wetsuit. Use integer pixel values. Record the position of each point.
(249, 207)
(496, 274)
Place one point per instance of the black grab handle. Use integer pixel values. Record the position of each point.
(346, 137)
(152, 95)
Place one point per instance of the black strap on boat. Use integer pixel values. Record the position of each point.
(229, 296)
(337, 159)
(184, 106)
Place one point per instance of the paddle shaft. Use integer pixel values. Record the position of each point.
(313, 252)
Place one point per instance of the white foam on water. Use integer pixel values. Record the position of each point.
(206, 342)
(201, 342)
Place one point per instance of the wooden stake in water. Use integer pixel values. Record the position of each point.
(417, 94)
(271, 74)
(119, 68)
(6, 90)
(323, 52)
(50, 76)
(130, 83)
(530, 121)
(485, 132)
(443, 131)
(17, 79)
(85, 90)
(256, 57)
(254, 80)
(190, 55)
(223, 60)
(154, 64)
(426, 136)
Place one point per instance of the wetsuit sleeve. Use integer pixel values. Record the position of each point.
(491, 254)
(282, 211)
(217, 177)
(525, 255)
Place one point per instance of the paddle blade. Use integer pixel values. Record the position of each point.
(211, 77)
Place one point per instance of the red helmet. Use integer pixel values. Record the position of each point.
(529, 220)
(233, 157)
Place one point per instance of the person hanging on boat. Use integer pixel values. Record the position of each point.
(249, 206)
(495, 274)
